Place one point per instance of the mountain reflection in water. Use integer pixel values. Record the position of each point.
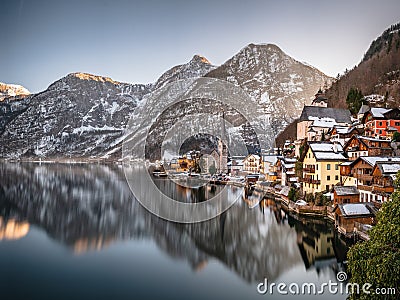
(88, 207)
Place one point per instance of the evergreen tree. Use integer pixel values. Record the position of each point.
(377, 261)
(354, 100)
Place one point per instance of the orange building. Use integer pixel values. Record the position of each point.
(381, 122)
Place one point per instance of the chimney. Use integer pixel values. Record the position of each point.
(335, 147)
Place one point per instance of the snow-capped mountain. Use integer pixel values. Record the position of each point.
(83, 115)
(198, 66)
(78, 115)
(12, 90)
(277, 82)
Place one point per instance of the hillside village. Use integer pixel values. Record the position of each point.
(339, 166)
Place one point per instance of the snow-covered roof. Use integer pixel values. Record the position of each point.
(343, 129)
(325, 147)
(346, 190)
(367, 138)
(338, 114)
(323, 122)
(351, 209)
(270, 158)
(329, 156)
(372, 160)
(378, 112)
(290, 172)
(293, 179)
(285, 191)
(290, 159)
(288, 166)
(389, 168)
(363, 109)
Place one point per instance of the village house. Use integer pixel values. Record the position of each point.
(320, 119)
(359, 172)
(288, 173)
(381, 122)
(252, 163)
(321, 166)
(383, 177)
(342, 134)
(268, 167)
(235, 165)
(345, 194)
(358, 146)
(347, 215)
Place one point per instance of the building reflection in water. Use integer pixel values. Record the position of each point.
(12, 229)
(88, 207)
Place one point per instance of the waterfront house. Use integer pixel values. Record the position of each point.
(360, 173)
(345, 194)
(252, 163)
(288, 173)
(383, 177)
(235, 166)
(268, 166)
(321, 166)
(358, 146)
(346, 215)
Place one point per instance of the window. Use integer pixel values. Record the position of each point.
(317, 167)
(397, 124)
(380, 123)
(328, 177)
(328, 166)
(336, 167)
(336, 177)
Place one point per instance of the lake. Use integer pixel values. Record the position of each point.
(76, 232)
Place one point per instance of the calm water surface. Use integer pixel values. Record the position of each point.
(76, 232)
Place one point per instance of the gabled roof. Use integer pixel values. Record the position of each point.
(378, 112)
(388, 168)
(363, 109)
(362, 140)
(325, 147)
(357, 209)
(344, 129)
(340, 115)
(346, 190)
(372, 160)
(327, 151)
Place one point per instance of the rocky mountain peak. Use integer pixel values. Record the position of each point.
(198, 66)
(197, 58)
(87, 76)
(12, 90)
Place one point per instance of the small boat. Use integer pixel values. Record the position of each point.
(160, 174)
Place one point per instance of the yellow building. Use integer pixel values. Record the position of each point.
(321, 169)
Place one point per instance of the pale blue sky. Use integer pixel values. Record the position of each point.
(132, 41)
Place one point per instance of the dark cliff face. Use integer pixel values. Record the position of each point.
(83, 115)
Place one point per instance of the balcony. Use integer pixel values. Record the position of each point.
(309, 169)
(382, 189)
(363, 177)
(376, 188)
(310, 180)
